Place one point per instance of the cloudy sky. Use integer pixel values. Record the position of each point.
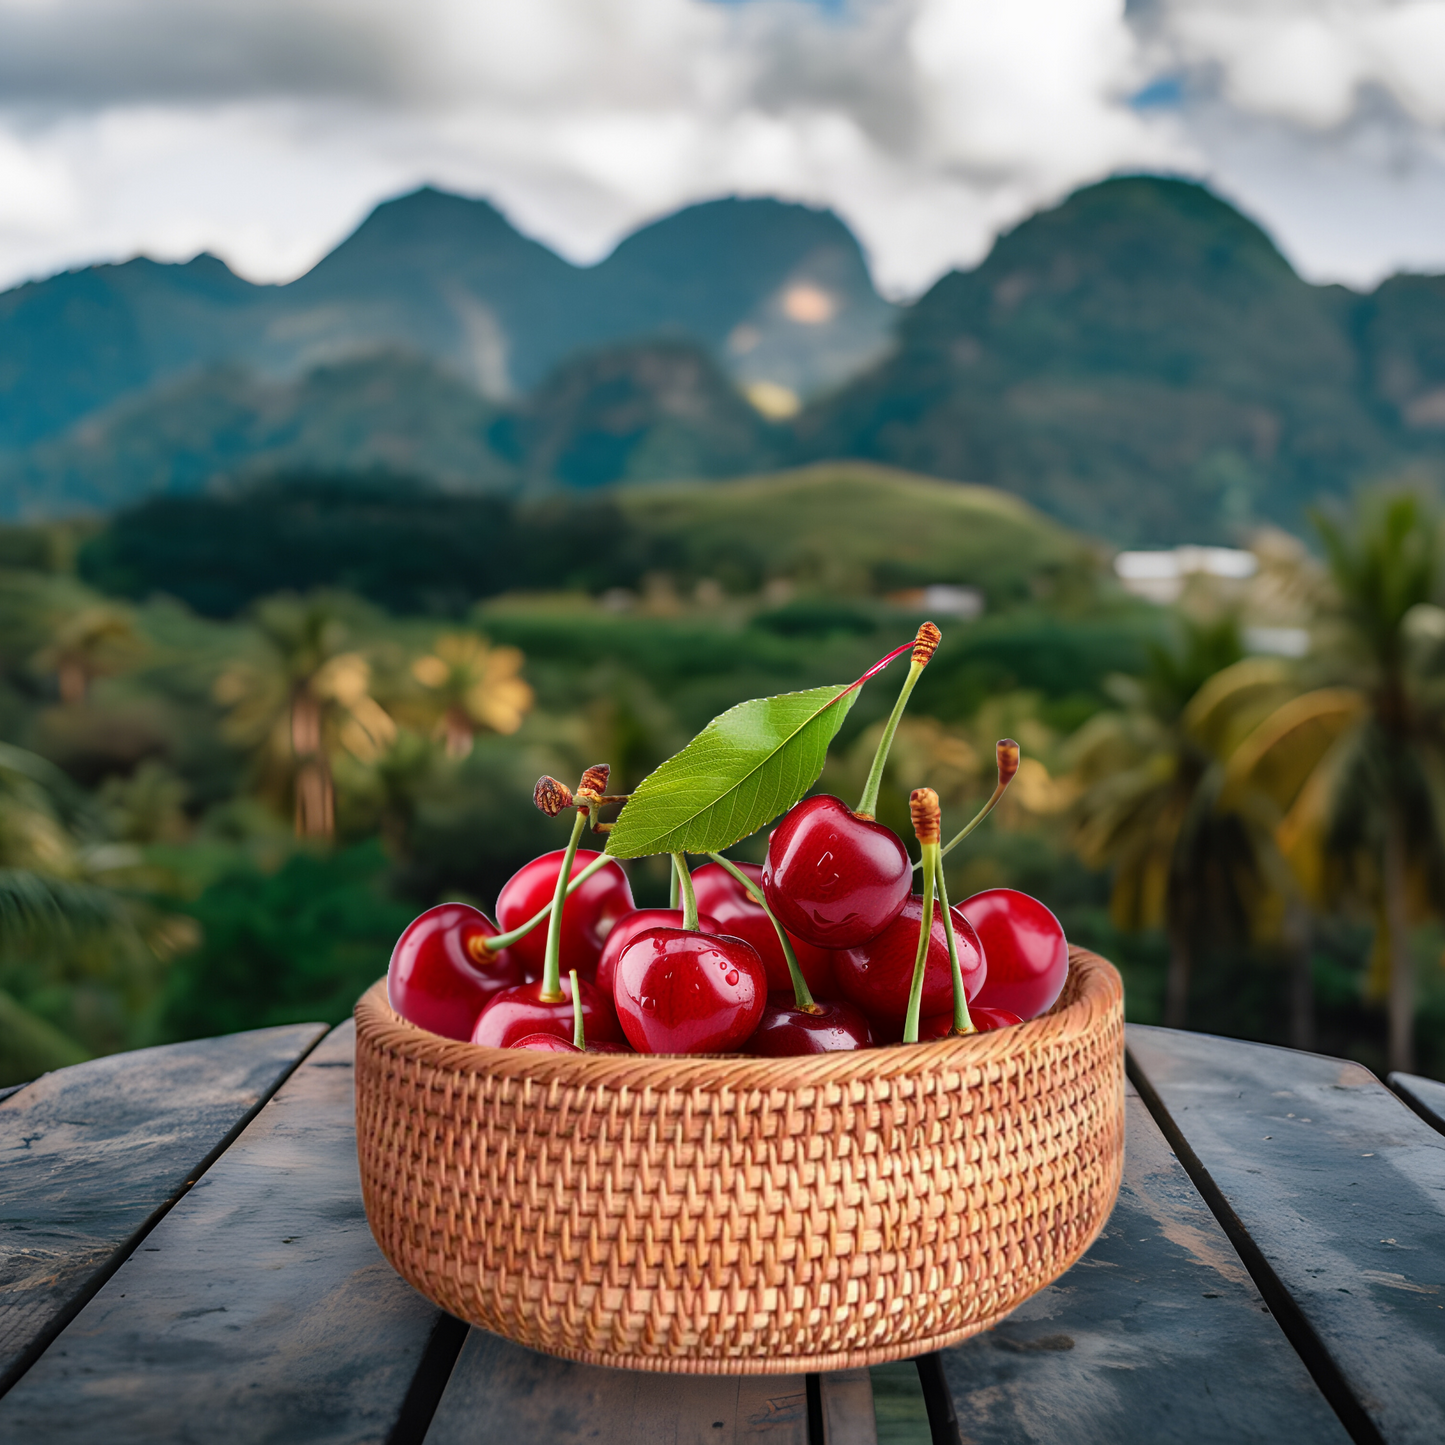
(263, 130)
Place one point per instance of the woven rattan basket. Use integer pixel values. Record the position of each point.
(744, 1216)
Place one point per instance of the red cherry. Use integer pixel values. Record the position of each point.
(681, 992)
(833, 878)
(985, 1020)
(551, 1044)
(878, 975)
(740, 916)
(517, 1012)
(586, 920)
(628, 927)
(785, 1029)
(547, 1044)
(441, 975)
(1028, 956)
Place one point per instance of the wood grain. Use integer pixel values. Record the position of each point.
(1341, 1190)
(258, 1309)
(1425, 1096)
(92, 1155)
(1157, 1334)
(847, 1398)
(502, 1393)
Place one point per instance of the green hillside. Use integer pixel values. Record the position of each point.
(849, 528)
(844, 530)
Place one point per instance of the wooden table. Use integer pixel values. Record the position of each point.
(185, 1258)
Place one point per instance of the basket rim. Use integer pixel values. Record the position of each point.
(1089, 998)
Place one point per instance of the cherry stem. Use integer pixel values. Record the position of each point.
(551, 991)
(673, 889)
(689, 897)
(962, 1024)
(504, 940)
(1008, 766)
(802, 994)
(579, 1039)
(925, 933)
(868, 805)
(978, 818)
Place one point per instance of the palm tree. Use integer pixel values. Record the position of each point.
(469, 684)
(1149, 774)
(1355, 769)
(90, 643)
(298, 702)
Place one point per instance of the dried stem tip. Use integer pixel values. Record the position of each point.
(926, 643)
(551, 796)
(594, 780)
(591, 789)
(926, 814)
(1008, 761)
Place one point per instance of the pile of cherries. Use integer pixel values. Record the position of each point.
(712, 975)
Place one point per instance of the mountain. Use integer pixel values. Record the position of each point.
(779, 292)
(391, 413)
(645, 412)
(1143, 362)
(638, 412)
(1139, 361)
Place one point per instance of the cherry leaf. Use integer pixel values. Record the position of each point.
(744, 768)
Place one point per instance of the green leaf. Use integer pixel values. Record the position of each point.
(743, 769)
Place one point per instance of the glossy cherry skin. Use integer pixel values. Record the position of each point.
(547, 1044)
(551, 1044)
(738, 915)
(587, 919)
(680, 992)
(833, 878)
(628, 927)
(785, 1029)
(1028, 955)
(440, 978)
(984, 1020)
(878, 975)
(514, 1014)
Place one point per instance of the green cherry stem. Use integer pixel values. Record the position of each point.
(674, 891)
(924, 810)
(925, 931)
(579, 1038)
(551, 990)
(802, 995)
(504, 940)
(1008, 765)
(962, 1024)
(923, 648)
(689, 897)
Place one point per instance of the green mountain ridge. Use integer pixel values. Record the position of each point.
(1140, 362)
(448, 279)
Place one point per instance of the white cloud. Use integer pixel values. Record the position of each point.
(264, 129)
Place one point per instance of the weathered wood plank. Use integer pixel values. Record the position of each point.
(502, 1394)
(1157, 1334)
(1335, 1193)
(9, 1089)
(92, 1155)
(1425, 1096)
(847, 1399)
(258, 1309)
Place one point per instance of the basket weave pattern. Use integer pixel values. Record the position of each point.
(744, 1216)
